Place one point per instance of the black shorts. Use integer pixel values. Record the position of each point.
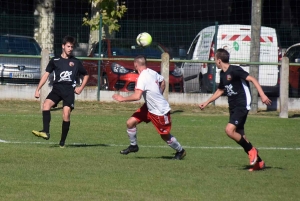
(62, 92)
(238, 117)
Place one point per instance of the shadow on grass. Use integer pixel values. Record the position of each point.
(176, 111)
(83, 145)
(295, 116)
(247, 167)
(56, 108)
(159, 157)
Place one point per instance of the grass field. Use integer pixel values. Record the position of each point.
(91, 168)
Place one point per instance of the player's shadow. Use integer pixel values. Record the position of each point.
(83, 145)
(295, 116)
(158, 157)
(247, 167)
(176, 111)
(56, 108)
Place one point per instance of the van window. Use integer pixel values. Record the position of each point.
(192, 48)
(293, 54)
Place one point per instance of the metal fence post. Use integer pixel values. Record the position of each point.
(165, 59)
(46, 88)
(284, 88)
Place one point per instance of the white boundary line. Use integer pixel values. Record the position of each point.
(188, 147)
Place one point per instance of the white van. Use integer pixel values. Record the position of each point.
(198, 77)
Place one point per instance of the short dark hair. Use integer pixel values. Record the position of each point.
(141, 60)
(69, 39)
(223, 55)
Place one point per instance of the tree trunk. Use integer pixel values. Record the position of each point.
(94, 35)
(44, 24)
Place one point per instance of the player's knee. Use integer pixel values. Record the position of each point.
(165, 137)
(131, 122)
(229, 131)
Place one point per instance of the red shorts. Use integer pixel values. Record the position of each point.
(161, 123)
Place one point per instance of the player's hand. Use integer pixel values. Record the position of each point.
(78, 90)
(203, 105)
(266, 100)
(37, 94)
(117, 97)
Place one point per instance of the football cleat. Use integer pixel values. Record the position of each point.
(131, 148)
(180, 155)
(42, 134)
(258, 166)
(62, 144)
(252, 154)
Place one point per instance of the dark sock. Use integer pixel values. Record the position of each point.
(259, 158)
(64, 132)
(46, 120)
(246, 145)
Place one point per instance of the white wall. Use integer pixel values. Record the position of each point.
(26, 92)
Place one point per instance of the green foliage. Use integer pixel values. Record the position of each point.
(91, 168)
(110, 10)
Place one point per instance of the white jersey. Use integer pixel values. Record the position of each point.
(148, 82)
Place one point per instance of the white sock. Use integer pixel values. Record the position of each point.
(173, 143)
(132, 135)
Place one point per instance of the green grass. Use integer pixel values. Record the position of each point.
(91, 168)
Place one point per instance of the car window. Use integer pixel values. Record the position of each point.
(293, 53)
(192, 48)
(19, 45)
(103, 49)
(131, 49)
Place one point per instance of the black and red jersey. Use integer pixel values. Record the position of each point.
(236, 87)
(66, 70)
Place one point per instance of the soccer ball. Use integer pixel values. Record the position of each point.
(144, 39)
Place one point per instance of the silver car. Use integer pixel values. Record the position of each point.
(19, 70)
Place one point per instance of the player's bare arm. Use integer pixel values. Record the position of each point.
(215, 96)
(137, 95)
(162, 86)
(78, 90)
(41, 84)
(262, 95)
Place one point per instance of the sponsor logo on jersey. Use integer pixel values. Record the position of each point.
(228, 77)
(65, 76)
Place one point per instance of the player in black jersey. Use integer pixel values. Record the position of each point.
(66, 68)
(234, 81)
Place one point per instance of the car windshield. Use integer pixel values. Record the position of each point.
(19, 45)
(293, 53)
(129, 48)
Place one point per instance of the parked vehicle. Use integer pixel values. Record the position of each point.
(19, 70)
(120, 74)
(198, 77)
(293, 53)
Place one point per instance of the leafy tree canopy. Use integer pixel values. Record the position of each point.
(110, 10)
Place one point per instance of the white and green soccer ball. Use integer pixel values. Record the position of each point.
(144, 39)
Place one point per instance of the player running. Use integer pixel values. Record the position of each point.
(235, 82)
(156, 109)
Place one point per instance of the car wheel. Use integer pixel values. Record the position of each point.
(202, 88)
(104, 83)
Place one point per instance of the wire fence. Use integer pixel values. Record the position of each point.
(174, 25)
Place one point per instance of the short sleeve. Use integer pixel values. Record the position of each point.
(50, 67)
(81, 69)
(239, 72)
(221, 84)
(140, 84)
(160, 78)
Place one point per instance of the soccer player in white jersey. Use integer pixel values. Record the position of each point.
(234, 81)
(156, 108)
